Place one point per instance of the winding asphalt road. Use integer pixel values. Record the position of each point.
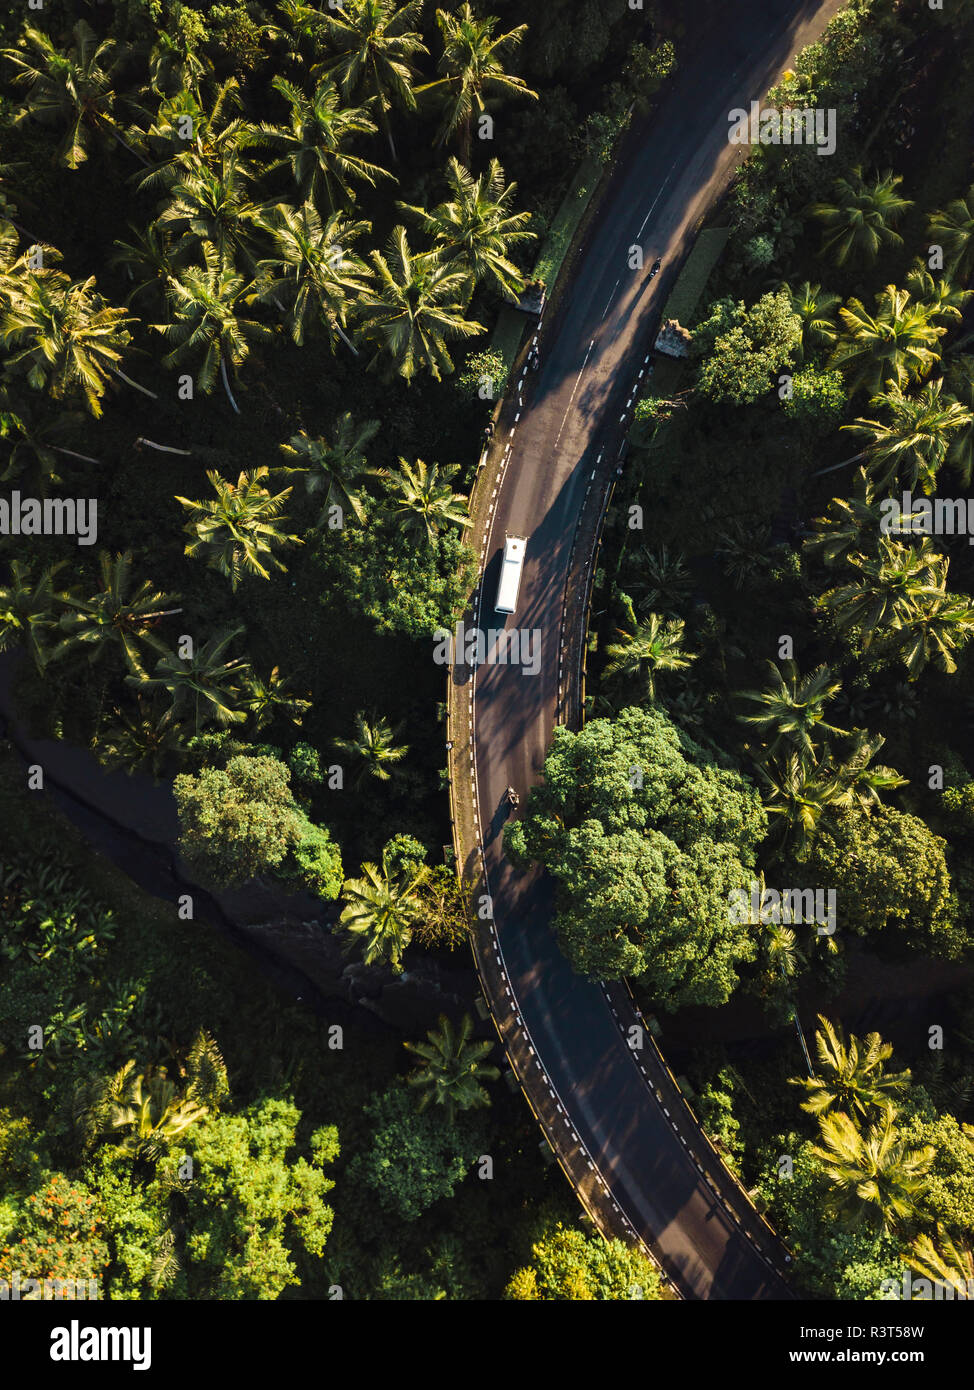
(657, 1171)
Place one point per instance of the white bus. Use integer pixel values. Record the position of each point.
(511, 566)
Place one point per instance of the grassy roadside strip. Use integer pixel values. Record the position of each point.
(511, 323)
(682, 303)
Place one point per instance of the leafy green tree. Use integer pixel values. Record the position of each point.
(473, 71)
(401, 587)
(239, 534)
(875, 1178)
(948, 1198)
(252, 1205)
(791, 709)
(373, 748)
(851, 1075)
(33, 439)
(646, 838)
(375, 50)
(817, 400)
(59, 1233)
(890, 874)
(742, 350)
(476, 225)
(422, 495)
(381, 909)
(240, 822)
(567, 1265)
(451, 1067)
(414, 1158)
(119, 617)
(860, 222)
(413, 307)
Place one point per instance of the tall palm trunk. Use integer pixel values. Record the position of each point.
(226, 383)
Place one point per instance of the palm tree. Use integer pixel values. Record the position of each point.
(860, 221)
(944, 299)
(899, 342)
(655, 645)
(205, 686)
(911, 446)
(150, 260)
(802, 790)
(743, 549)
(473, 71)
(960, 383)
(145, 740)
(31, 438)
(28, 609)
(412, 307)
(791, 708)
(875, 1177)
(934, 629)
(381, 909)
(451, 1068)
(266, 699)
(840, 533)
(422, 495)
(314, 145)
(477, 225)
(888, 584)
(239, 533)
(74, 89)
(661, 577)
(374, 49)
(954, 230)
(332, 471)
(208, 319)
(117, 615)
(374, 748)
(63, 336)
(816, 309)
(312, 270)
(948, 1264)
(187, 133)
(852, 1076)
(214, 207)
(144, 1113)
